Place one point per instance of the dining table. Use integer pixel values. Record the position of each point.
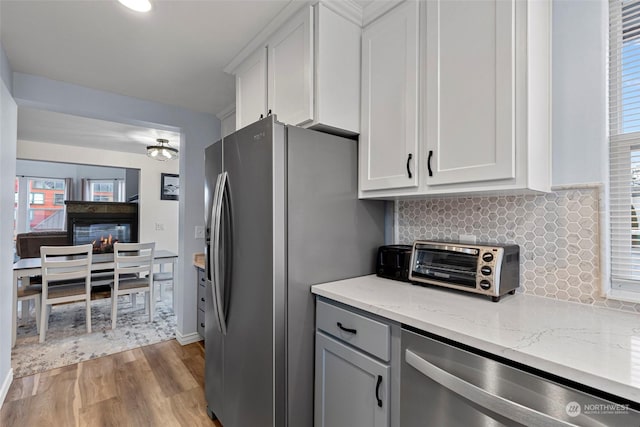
(26, 268)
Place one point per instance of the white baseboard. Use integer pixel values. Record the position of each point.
(188, 338)
(5, 386)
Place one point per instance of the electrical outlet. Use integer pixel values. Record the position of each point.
(467, 238)
(199, 232)
(159, 226)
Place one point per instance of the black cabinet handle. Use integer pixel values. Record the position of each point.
(429, 163)
(351, 331)
(202, 325)
(409, 157)
(378, 391)
(202, 299)
(269, 113)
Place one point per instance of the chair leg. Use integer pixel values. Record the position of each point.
(44, 319)
(133, 300)
(37, 303)
(89, 315)
(114, 309)
(151, 300)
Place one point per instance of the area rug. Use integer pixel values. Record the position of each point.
(67, 341)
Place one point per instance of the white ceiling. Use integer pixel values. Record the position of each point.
(173, 55)
(57, 128)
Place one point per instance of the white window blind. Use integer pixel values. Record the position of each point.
(624, 143)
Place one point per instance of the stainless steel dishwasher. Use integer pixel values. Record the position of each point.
(446, 385)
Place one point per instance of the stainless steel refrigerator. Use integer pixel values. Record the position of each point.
(282, 214)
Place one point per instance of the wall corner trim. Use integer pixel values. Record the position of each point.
(5, 386)
(187, 338)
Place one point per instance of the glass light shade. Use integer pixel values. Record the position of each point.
(137, 5)
(162, 151)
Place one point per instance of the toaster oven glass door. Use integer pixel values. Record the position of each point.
(457, 268)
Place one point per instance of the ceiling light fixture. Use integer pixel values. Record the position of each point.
(162, 151)
(137, 5)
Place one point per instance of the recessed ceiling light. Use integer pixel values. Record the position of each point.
(137, 5)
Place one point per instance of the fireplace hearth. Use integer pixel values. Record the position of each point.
(102, 224)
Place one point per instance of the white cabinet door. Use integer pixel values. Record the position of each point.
(251, 89)
(389, 121)
(291, 70)
(351, 389)
(470, 91)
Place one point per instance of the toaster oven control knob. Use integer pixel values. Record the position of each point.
(485, 284)
(487, 257)
(485, 270)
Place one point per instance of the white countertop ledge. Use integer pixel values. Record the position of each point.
(597, 347)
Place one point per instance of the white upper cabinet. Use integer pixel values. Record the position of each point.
(389, 155)
(290, 75)
(227, 119)
(311, 75)
(470, 90)
(485, 101)
(251, 88)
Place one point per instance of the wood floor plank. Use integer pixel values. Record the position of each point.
(21, 388)
(159, 385)
(190, 408)
(170, 372)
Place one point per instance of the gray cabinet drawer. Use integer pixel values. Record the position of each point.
(201, 322)
(202, 288)
(359, 331)
(201, 301)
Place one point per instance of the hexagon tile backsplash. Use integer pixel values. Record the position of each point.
(558, 234)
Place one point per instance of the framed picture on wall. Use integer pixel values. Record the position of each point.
(169, 186)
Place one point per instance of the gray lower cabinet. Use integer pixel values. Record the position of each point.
(353, 381)
(202, 287)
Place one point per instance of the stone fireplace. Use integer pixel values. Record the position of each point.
(102, 224)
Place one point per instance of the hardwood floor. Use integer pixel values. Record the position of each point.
(157, 385)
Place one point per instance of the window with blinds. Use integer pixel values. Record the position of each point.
(624, 143)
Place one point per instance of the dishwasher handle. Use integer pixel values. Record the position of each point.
(497, 404)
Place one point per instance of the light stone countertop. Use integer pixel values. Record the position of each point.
(597, 347)
(198, 260)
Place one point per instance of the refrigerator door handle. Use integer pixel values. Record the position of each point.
(214, 255)
(227, 221)
(222, 324)
(208, 253)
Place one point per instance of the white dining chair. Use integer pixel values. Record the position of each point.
(163, 278)
(26, 294)
(66, 277)
(132, 258)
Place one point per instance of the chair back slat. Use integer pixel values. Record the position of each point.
(133, 258)
(65, 263)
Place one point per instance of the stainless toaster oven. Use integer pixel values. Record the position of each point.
(492, 270)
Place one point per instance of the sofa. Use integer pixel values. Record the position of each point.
(28, 244)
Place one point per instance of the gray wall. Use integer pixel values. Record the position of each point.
(197, 131)
(5, 70)
(579, 91)
(8, 126)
